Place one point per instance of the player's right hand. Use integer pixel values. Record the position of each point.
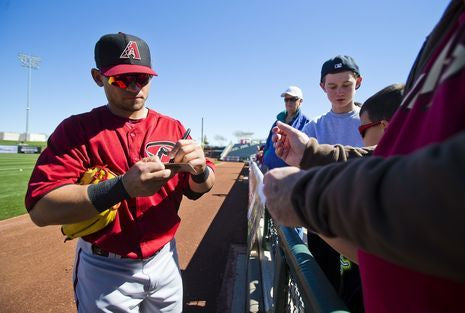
(146, 177)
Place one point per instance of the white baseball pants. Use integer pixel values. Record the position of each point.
(114, 284)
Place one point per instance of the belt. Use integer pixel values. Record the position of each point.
(97, 251)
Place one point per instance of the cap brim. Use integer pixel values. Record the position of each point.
(290, 94)
(127, 68)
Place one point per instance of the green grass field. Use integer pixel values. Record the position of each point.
(15, 171)
(41, 144)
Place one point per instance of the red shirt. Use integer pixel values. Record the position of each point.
(99, 138)
(432, 111)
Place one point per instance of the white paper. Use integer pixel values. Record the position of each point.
(261, 194)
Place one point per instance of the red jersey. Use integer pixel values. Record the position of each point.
(143, 225)
(431, 112)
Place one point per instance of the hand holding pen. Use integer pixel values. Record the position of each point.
(176, 148)
(187, 151)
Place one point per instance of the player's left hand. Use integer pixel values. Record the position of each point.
(189, 151)
(278, 186)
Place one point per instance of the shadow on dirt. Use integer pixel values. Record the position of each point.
(203, 276)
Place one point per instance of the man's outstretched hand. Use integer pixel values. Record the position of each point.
(289, 143)
(278, 186)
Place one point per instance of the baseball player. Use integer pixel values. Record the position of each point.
(131, 264)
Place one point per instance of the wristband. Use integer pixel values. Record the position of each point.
(107, 193)
(202, 177)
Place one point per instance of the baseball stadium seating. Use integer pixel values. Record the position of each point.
(239, 152)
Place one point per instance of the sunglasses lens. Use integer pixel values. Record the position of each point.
(363, 128)
(124, 81)
(143, 79)
(290, 99)
(116, 81)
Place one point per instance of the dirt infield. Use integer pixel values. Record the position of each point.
(36, 266)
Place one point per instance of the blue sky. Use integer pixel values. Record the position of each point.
(225, 61)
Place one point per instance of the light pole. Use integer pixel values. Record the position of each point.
(30, 62)
(201, 134)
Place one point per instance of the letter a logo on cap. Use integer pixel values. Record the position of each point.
(131, 51)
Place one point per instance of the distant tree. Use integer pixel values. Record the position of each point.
(242, 134)
(205, 140)
(219, 138)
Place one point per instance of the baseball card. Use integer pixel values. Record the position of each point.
(180, 167)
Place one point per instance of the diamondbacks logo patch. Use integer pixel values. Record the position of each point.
(160, 149)
(131, 51)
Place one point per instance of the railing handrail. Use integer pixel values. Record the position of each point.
(226, 151)
(317, 292)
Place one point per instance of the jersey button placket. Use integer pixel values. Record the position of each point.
(132, 146)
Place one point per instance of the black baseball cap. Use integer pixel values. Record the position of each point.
(121, 53)
(340, 63)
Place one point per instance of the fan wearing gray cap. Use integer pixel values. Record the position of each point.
(292, 115)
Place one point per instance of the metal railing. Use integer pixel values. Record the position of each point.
(290, 278)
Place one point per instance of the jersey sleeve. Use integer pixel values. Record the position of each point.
(397, 211)
(316, 154)
(61, 163)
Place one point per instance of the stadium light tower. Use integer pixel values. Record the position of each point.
(30, 62)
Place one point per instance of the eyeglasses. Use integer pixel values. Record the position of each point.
(290, 99)
(125, 80)
(362, 129)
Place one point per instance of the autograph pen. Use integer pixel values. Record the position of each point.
(186, 134)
